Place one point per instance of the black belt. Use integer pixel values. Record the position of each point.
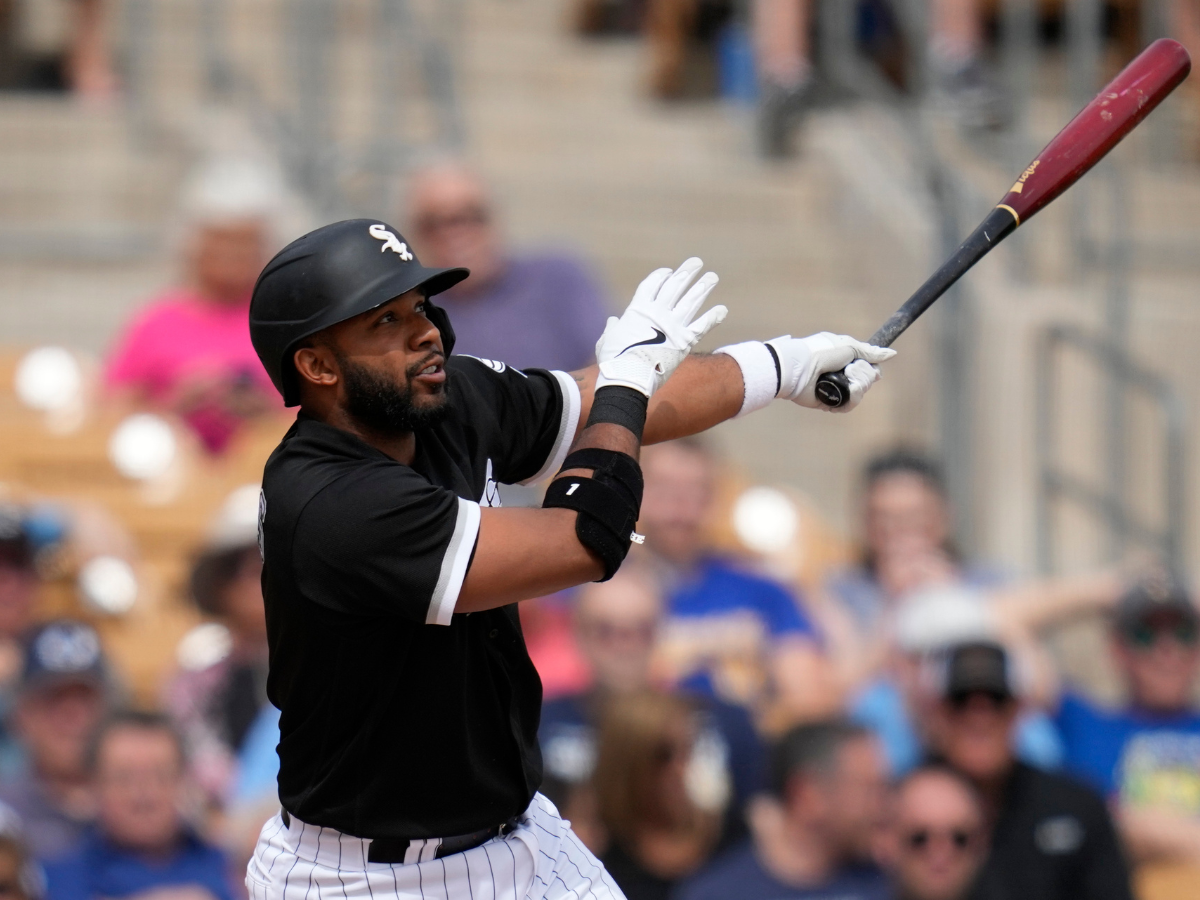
(393, 850)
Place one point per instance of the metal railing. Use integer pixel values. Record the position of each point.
(1108, 503)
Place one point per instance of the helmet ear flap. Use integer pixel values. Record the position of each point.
(441, 320)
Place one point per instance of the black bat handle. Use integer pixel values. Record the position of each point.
(833, 388)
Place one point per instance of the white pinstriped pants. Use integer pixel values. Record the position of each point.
(541, 859)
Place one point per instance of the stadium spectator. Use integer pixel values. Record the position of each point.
(813, 839)
(616, 624)
(18, 591)
(960, 76)
(64, 692)
(216, 707)
(1052, 838)
(141, 842)
(189, 350)
(783, 37)
(21, 876)
(896, 704)
(681, 38)
(58, 45)
(935, 841)
(660, 793)
(1145, 755)
(546, 624)
(728, 632)
(907, 545)
(525, 310)
(911, 572)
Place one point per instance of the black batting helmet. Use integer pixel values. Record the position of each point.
(330, 275)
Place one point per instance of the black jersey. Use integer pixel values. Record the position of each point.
(1053, 839)
(400, 717)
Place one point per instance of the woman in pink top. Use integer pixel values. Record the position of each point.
(189, 350)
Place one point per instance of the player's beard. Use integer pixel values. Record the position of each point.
(382, 407)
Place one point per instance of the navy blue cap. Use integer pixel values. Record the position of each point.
(63, 650)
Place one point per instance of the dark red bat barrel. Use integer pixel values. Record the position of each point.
(1115, 111)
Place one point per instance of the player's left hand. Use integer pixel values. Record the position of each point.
(803, 360)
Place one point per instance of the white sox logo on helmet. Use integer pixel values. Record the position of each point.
(390, 241)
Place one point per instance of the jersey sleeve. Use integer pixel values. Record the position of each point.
(384, 541)
(526, 418)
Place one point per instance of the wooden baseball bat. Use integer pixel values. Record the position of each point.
(1100, 126)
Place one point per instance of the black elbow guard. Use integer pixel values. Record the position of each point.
(608, 503)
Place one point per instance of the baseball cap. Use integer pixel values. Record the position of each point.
(232, 532)
(980, 667)
(64, 650)
(1153, 596)
(935, 618)
(16, 549)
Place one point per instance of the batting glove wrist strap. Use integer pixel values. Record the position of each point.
(608, 504)
(618, 405)
(761, 373)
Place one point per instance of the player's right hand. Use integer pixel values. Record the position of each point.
(644, 346)
(803, 360)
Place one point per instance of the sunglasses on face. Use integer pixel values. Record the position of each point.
(607, 632)
(997, 702)
(468, 217)
(1145, 635)
(922, 838)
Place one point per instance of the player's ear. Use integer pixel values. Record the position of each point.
(316, 365)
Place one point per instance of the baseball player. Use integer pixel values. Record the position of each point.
(409, 762)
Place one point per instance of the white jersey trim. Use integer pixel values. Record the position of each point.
(454, 564)
(572, 404)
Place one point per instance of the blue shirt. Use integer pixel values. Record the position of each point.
(542, 311)
(1148, 759)
(718, 589)
(722, 623)
(740, 875)
(99, 868)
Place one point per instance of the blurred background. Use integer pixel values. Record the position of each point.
(819, 594)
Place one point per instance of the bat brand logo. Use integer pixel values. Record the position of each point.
(390, 241)
(1020, 185)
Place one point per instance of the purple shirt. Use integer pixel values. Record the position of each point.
(543, 311)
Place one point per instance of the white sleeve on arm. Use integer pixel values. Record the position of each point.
(572, 403)
(454, 564)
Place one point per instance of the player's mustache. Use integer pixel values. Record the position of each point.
(436, 357)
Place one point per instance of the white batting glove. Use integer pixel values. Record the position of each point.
(803, 360)
(641, 349)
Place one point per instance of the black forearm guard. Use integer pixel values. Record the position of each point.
(608, 503)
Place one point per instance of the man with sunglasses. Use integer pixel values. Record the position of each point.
(1145, 755)
(1052, 838)
(936, 838)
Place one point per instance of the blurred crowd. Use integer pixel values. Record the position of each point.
(781, 55)
(753, 706)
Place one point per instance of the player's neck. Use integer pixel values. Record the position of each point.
(401, 446)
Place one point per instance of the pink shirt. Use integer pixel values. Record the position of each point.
(180, 338)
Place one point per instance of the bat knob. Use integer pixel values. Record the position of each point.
(833, 389)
